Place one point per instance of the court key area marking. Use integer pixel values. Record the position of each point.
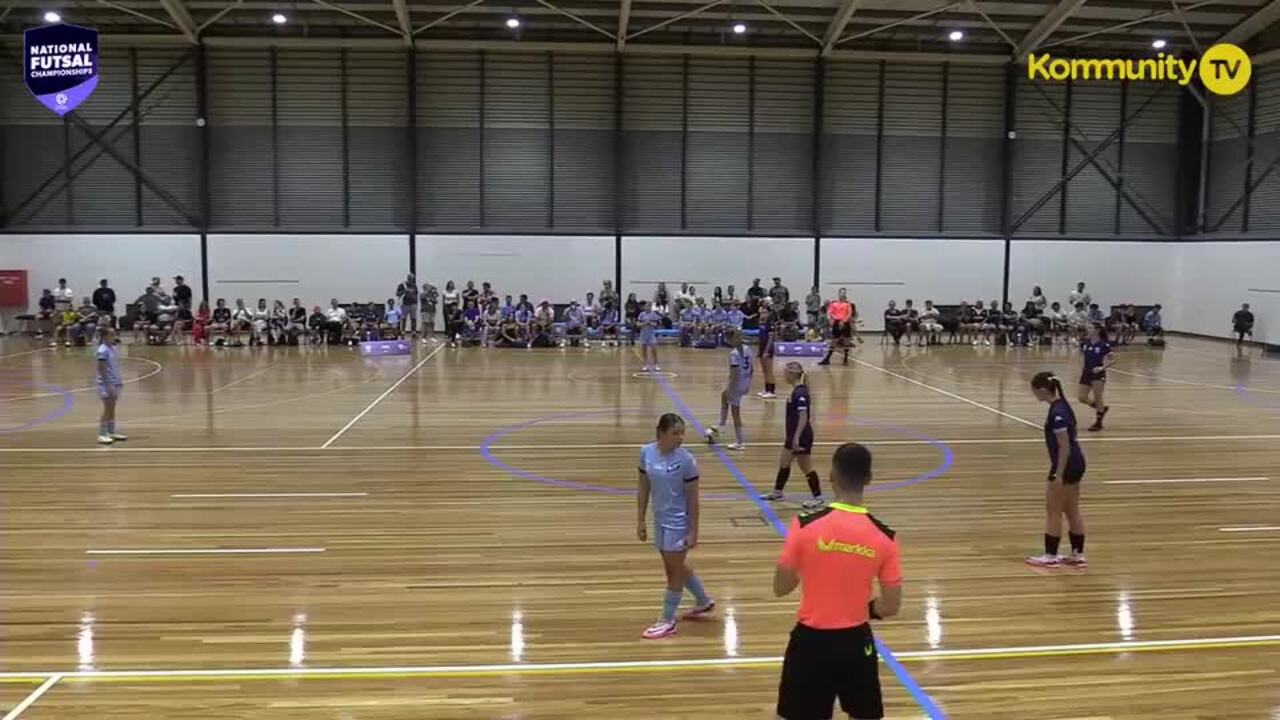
(947, 393)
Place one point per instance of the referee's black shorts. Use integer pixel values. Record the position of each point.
(823, 665)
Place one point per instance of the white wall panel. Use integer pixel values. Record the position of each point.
(1215, 278)
(706, 262)
(876, 271)
(127, 261)
(556, 268)
(1114, 272)
(315, 268)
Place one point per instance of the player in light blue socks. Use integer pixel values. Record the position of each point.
(668, 477)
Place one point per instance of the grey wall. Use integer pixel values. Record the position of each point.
(312, 140)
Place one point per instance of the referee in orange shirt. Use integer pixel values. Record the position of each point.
(837, 552)
(841, 314)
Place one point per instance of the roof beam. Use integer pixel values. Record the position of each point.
(403, 19)
(1047, 25)
(838, 23)
(1253, 24)
(182, 18)
(576, 18)
(624, 19)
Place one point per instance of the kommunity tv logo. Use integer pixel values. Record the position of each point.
(1224, 69)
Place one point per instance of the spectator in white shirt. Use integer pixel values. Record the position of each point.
(1079, 296)
(1078, 320)
(335, 321)
(930, 324)
(261, 321)
(1057, 321)
(1038, 299)
(63, 297)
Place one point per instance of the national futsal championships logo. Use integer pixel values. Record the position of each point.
(1224, 69)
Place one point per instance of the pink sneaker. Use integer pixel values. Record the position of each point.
(660, 629)
(1049, 561)
(700, 611)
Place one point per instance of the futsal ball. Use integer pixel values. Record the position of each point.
(712, 435)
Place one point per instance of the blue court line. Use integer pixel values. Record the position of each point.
(68, 401)
(921, 697)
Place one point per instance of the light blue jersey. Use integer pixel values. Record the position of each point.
(734, 318)
(691, 316)
(668, 475)
(110, 378)
(718, 316)
(649, 327)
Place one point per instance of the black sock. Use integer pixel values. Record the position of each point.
(846, 354)
(784, 474)
(827, 359)
(1077, 543)
(1051, 544)
(815, 487)
(769, 387)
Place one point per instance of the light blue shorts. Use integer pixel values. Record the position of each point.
(104, 392)
(668, 540)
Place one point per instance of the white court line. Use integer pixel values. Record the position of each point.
(1251, 528)
(1175, 481)
(606, 446)
(991, 653)
(233, 383)
(27, 352)
(32, 698)
(208, 551)
(271, 495)
(158, 369)
(947, 393)
(380, 398)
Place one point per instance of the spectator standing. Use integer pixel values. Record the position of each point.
(755, 291)
(104, 299)
(407, 294)
(63, 298)
(1038, 299)
(813, 306)
(451, 301)
(429, 299)
(1079, 296)
(779, 293)
(608, 296)
(181, 292)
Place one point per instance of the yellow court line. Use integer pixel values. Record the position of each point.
(627, 667)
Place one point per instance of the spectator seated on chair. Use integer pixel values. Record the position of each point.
(930, 324)
(316, 325)
(575, 325)
(335, 322)
(260, 318)
(297, 324)
(89, 314)
(220, 324)
(609, 324)
(788, 317)
(1242, 324)
(200, 325)
(1011, 324)
(493, 320)
(1153, 325)
(1034, 322)
(391, 319)
(911, 322)
(183, 321)
(67, 321)
(544, 320)
(241, 322)
(1078, 322)
(1056, 325)
(894, 325)
(472, 331)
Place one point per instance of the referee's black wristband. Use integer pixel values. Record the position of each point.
(871, 610)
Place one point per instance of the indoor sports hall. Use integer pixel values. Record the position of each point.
(342, 340)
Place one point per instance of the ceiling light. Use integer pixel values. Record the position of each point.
(279, 19)
(739, 28)
(956, 35)
(1159, 44)
(513, 23)
(52, 17)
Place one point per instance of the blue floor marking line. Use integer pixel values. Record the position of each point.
(918, 693)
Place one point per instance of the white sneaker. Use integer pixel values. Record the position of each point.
(644, 369)
(976, 343)
(735, 446)
(1049, 561)
(816, 503)
(119, 437)
(656, 368)
(660, 629)
(104, 440)
(769, 396)
(67, 343)
(1074, 560)
(775, 496)
(987, 343)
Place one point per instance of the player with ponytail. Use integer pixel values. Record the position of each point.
(1066, 470)
(798, 443)
(1093, 379)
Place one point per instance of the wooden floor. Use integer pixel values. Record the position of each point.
(461, 540)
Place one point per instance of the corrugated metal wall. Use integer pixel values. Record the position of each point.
(541, 142)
